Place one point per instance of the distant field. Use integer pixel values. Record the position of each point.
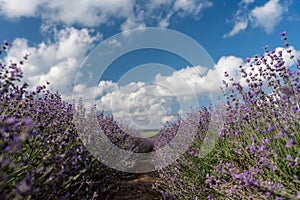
(149, 133)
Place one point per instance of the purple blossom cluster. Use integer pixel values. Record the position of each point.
(257, 154)
(41, 154)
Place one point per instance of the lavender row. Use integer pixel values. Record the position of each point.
(258, 150)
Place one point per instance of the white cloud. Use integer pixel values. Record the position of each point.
(154, 4)
(266, 16)
(198, 80)
(136, 105)
(131, 24)
(54, 62)
(147, 106)
(91, 13)
(183, 82)
(169, 118)
(229, 64)
(191, 7)
(286, 56)
(247, 1)
(26, 8)
(87, 12)
(238, 27)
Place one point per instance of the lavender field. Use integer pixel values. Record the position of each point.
(255, 157)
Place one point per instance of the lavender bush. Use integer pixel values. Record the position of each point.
(257, 155)
(41, 155)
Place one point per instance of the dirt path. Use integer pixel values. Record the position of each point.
(135, 186)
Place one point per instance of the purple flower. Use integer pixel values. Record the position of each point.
(219, 169)
(16, 139)
(294, 109)
(7, 148)
(223, 133)
(207, 180)
(232, 190)
(252, 149)
(289, 157)
(27, 121)
(239, 176)
(5, 42)
(11, 120)
(25, 185)
(283, 33)
(192, 152)
(271, 128)
(38, 89)
(289, 143)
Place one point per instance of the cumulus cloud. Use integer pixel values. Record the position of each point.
(26, 8)
(191, 7)
(137, 105)
(55, 62)
(145, 106)
(87, 12)
(286, 56)
(266, 16)
(97, 12)
(182, 82)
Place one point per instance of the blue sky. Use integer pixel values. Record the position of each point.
(60, 34)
